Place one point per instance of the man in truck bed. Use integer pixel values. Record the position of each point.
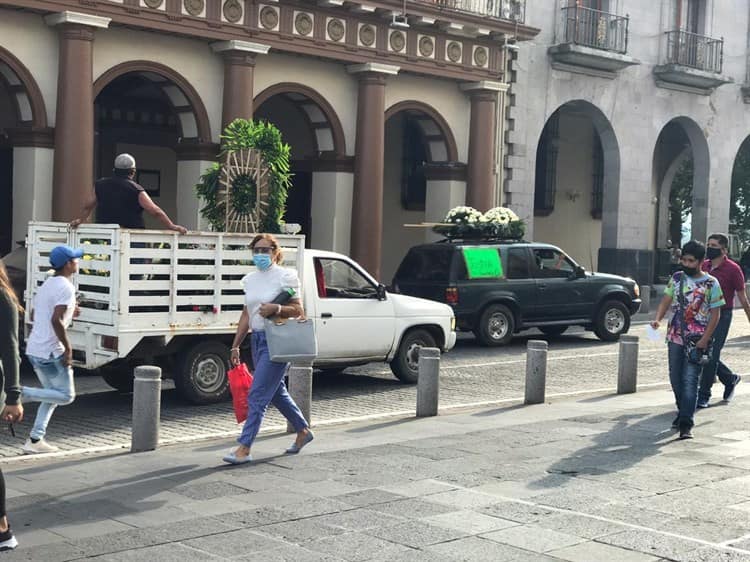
(120, 200)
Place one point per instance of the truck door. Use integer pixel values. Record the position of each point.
(560, 294)
(351, 321)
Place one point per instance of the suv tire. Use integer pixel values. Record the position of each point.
(405, 364)
(553, 331)
(611, 321)
(496, 326)
(202, 377)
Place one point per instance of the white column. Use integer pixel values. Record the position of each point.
(188, 202)
(32, 187)
(442, 196)
(332, 211)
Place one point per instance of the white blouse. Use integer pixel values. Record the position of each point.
(264, 286)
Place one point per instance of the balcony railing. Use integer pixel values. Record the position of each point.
(696, 51)
(596, 29)
(512, 10)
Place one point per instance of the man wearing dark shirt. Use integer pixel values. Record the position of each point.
(120, 200)
(732, 281)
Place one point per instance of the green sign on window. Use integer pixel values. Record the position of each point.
(483, 263)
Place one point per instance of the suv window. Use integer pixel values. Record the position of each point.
(337, 279)
(423, 264)
(518, 265)
(552, 263)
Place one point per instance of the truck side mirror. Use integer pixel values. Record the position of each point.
(580, 272)
(381, 292)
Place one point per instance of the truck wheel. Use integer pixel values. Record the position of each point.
(118, 376)
(405, 365)
(612, 320)
(202, 376)
(496, 326)
(553, 331)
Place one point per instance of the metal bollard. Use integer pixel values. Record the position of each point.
(428, 383)
(146, 408)
(536, 372)
(300, 389)
(627, 366)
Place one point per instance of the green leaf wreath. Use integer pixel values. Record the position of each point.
(247, 134)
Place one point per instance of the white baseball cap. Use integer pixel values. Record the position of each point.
(124, 162)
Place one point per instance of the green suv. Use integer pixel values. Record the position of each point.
(498, 288)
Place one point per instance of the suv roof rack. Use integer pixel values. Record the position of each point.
(483, 240)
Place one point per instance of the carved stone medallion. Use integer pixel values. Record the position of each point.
(367, 35)
(426, 46)
(269, 18)
(480, 56)
(153, 3)
(454, 51)
(397, 41)
(194, 7)
(303, 23)
(233, 11)
(336, 29)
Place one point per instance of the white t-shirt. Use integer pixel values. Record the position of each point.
(264, 286)
(43, 340)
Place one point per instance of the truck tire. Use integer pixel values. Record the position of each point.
(119, 376)
(612, 320)
(405, 364)
(553, 331)
(201, 377)
(496, 326)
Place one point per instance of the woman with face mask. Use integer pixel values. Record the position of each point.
(261, 289)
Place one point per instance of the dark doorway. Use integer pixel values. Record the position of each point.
(298, 203)
(6, 200)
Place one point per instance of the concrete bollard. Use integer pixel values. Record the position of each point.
(627, 366)
(645, 299)
(146, 408)
(300, 389)
(428, 384)
(536, 371)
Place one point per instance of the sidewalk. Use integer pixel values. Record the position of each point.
(599, 479)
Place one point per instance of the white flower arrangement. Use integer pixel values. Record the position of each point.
(468, 222)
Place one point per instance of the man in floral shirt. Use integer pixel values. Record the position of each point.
(697, 317)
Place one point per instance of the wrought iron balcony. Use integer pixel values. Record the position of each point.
(693, 63)
(591, 41)
(695, 51)
(595, 29)
(512, 10)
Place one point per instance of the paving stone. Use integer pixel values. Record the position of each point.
(85, 530)
(463, 499)
(580, 525)
(59, 552)
(414, 507)
(597, 552)
(367, 497)
(519, 512)
(315, 506)
(255, 517)
(701, 529)
(356, 547)
(469, 522)
(709, 554)
(476, 549)
(163, 553)
(209, 490)
(652, 543)
(359, 519)
(235, 543)
(416, 534)
(533, 537)
(414, 555)
(419, 488)
(288, 553)
(300, 531)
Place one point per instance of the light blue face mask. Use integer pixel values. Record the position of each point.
(262, 261)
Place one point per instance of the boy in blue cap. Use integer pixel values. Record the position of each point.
(48, 348)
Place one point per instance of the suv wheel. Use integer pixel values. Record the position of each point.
(612, 320)
(496, 325)
(202, 378)
(405, 364)
(553, 331)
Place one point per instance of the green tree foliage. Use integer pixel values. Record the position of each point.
(680, 200)
(739, 207)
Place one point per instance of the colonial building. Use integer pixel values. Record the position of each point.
(392, 109)
(610, 99)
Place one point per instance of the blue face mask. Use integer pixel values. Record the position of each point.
(262, 261)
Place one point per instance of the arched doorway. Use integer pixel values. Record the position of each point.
(421, 177)
(153, 113)
(577, 182)
(22, 113)
(680, 188)
(739, 208)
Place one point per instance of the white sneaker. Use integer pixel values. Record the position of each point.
(40, 446)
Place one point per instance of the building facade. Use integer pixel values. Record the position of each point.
(391, 110)
(610, 101)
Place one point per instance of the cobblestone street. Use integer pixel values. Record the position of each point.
(471, 375)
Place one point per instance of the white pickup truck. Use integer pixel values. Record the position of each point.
(156, 297)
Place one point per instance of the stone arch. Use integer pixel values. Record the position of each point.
(320, 115)
(441, 144)
(28, 98)
(184, 99)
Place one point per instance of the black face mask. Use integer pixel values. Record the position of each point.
(690, 271)
(713, 253)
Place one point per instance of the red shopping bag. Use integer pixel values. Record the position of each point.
(240, 381)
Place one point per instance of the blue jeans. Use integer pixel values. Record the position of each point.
(268, 388)
(715, 366)
(684, 377)
(57, 390)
